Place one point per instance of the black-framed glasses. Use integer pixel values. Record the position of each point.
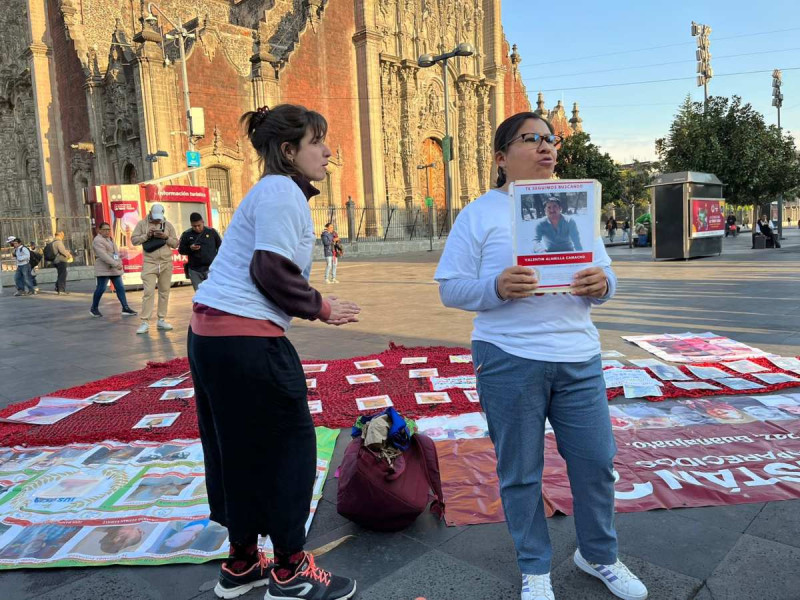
(537, 138)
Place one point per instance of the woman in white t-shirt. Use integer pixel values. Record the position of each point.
(258, 437)
(537, 357)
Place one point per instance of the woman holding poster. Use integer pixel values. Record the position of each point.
(537, 357)
(259, 443)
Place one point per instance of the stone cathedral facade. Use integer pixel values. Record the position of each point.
(89, 89)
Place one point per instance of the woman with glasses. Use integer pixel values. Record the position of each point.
(537, 357)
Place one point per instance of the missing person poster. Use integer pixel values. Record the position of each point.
(554, 224)
(708, 218)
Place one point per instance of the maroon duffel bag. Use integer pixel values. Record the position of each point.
(384, 498)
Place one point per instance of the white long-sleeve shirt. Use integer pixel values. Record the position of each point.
(549, 327)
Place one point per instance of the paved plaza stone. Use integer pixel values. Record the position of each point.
(741, 552)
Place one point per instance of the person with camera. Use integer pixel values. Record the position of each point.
(157, 238)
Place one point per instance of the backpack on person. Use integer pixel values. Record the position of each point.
(34, 259)
(49, 253)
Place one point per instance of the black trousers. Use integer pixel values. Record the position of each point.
(258, 438)
(61, 279)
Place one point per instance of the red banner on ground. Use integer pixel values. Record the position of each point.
(704, 453)
(693, 466)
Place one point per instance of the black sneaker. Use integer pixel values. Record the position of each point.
(310, 583)
(233, 585)
(95, 313)
(128, 312)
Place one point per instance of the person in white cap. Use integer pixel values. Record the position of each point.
(22, 278)
(157, 237)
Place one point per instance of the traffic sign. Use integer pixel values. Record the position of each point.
(428, 201)
(192, 159)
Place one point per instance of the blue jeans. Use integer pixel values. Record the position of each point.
(517, 394)
(330, 268)
(23, 278)
(102, 284)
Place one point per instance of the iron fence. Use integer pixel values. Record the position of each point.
(383, 224)
(39, 231)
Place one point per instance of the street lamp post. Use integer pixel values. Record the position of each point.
(777, 102)
(704, 70)
(428, 60)
(428, 199)
(181, 37)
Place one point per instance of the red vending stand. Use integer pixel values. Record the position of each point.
(123, 206)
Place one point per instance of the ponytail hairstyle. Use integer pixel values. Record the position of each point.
(270, 129)
(507, 131)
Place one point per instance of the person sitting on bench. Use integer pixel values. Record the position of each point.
(763, 227)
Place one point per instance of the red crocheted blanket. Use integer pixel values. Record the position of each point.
(100, 422)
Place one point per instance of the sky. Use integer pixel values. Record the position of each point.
(577, 51)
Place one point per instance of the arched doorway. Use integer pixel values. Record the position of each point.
(129, 174)
(432, 179)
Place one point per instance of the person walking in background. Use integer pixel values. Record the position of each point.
(328, 241)
(157, 237)
(108, 267)
(537, 357)
(611, 228)
(62, 258)
(36, 261)
(626, 230)
(200, 244)
(22, 278)
(259, 444)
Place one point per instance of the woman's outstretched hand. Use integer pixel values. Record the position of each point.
(342, 311)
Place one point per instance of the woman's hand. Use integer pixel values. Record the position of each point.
(590, 282)
(517, 282)
(342, 311)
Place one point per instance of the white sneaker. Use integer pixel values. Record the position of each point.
(162, 324)
(617, 577)
(334, 280)
(328, 281)
(143, 328)
(537, 587)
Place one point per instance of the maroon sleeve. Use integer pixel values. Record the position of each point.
(282, 282)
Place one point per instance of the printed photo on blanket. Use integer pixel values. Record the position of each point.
(368, 364)
(176, 394)
(168, 382)
(158, 420)
(359, 379)
(432, 397)
(107, 397)
(374, 402)
(422, 373)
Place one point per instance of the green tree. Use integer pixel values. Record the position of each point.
(579, 158)
(755, 161)
(634, 191)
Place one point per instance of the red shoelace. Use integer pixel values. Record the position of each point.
(314, 572)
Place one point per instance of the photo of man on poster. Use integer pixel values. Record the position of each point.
(556, 232)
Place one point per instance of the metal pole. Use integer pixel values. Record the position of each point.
(187, 101)
(780, 198)
(705, 94)
(447, 190)
(430, 208)
(182, 35)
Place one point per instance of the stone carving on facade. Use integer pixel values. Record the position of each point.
(390, 113)
(467, 126)
(485, 153)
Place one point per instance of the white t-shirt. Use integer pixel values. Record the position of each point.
(274, 216)
(550, 327)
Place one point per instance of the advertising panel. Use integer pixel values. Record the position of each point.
(708, 217)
